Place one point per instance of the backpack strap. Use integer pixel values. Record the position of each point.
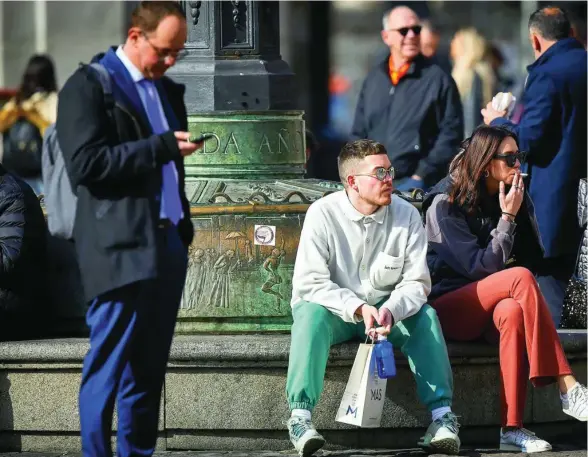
(104, 77)
(50, 132)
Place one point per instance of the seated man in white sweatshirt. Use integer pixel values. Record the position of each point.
(361, 263)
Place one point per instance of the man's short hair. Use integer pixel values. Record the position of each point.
(148, 14)
(551, 23)
(431, 25)
(355, 151)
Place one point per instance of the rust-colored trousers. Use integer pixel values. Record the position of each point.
(508, 301)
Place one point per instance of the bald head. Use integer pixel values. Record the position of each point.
(398, 15)
(401, 34)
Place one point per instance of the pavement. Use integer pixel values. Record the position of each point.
(559, 451)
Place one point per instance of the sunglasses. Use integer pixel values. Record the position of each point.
(511, 159)
(404, 30)
(382, 173)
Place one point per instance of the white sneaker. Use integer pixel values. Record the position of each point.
(522, 440)
(441, 436)
(576, 403)
(304, 437)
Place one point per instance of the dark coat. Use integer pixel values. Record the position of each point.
(117, 171)
(553, 131)
(23, 248)
(419, 121)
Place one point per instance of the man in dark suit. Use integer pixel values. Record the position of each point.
(132, 227)
(552, 129)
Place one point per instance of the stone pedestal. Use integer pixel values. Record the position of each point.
(227, 394)
(246, 185)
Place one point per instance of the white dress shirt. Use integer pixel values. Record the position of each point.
(346, 259)
(137, 77)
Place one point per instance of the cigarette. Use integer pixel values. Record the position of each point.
(524, 175)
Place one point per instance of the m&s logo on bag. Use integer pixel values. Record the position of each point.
(376, 394)
(351, 411)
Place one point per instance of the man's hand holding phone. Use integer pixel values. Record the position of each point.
(188, 146)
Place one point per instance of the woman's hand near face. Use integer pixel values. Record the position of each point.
(511, 202)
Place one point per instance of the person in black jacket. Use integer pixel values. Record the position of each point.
(132, 228)
(23, 253)
(411, 106)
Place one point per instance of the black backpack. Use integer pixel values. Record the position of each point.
(23, 146)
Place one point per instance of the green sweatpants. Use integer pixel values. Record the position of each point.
(316, 329)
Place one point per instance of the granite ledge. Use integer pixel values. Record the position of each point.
(240, 348)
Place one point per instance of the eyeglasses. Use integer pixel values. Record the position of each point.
(381, 173)
(511, 159)
(163, 54)
(404, 30)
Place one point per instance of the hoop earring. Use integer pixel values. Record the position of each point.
(486, 174)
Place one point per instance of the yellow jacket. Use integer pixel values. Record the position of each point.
(40, 110)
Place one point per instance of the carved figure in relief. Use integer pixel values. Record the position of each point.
(195, 278)
(223, 267)
(249, 253)
(271, 265)
(209, 260)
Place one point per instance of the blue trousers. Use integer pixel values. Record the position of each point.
(131, 331)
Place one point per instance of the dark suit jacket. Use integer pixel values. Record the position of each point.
(115, 167)
(552, 130)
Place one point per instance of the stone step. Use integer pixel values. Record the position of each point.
(227, 393)
(562, 451)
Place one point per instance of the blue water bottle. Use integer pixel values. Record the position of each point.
(385, 358)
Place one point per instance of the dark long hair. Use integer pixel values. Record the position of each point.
(468, 167)
(38, 76)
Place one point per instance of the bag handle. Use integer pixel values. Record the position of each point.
(366, 340)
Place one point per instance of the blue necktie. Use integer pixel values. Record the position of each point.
(171, 206)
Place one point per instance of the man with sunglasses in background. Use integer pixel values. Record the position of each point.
(410, 105)
(361, 265)
(552, 129)
(124, 157)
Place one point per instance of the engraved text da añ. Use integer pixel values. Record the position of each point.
(280, 142)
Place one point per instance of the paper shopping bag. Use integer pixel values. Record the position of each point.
(363, 399)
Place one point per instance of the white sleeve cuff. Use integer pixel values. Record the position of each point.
(349, 309)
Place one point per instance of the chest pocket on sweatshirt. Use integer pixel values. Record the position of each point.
(386, 271)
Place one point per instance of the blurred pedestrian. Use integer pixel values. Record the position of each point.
(410, 105)
(473, 75)
(430, 45)
(24, 118)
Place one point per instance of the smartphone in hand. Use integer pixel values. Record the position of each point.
(201, 138)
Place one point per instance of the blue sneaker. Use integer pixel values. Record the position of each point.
(304, 437)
